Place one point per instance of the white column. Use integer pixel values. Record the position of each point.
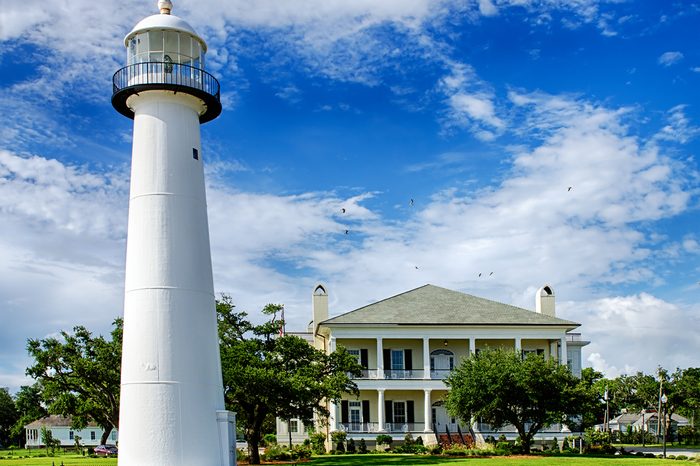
(380, 359)
(563, 356)
(426, 358)
(333, 408)
(472, 346)
(427, 411)
(380, 409)
(331, 344)
(518, 345)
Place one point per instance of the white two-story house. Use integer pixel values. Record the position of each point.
(408, 343)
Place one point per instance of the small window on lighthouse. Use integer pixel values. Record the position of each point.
(195, 154)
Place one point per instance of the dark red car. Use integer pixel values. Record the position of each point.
(107, 450)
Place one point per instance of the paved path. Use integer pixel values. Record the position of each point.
(669, 450)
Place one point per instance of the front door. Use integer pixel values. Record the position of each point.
(355, 416)
(442, 362)
(443, 420)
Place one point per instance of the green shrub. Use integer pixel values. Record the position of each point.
(276, 452)
(457, 450)
(338, 437)
(362, 449)
(241, 454)
(565, 445)
(681, 457)
(385, 439)
(435, 449)
(318, 443)
(268, 440)
(351, 446)
(301, 452)
(555, 445)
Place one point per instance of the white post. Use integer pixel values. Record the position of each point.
(426, 357)
(472, 346)
(427, 411)
(380, 409)
(331, 344)
(563, 356)
(380, 358)
(333, 408)
(518, 345)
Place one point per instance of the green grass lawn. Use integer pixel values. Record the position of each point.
(378, 460)
(19, 458)
(30, 458)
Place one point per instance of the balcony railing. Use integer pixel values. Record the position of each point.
(415, 374)
(373, 427)
(439, 373)
(404, 374)
(176, 77)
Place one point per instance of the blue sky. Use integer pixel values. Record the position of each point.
(482, 112)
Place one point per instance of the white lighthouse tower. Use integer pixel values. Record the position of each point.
(172, 406)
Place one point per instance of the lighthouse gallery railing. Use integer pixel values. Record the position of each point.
(176, 77)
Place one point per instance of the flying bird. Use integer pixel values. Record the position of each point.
(416, 267)
(480, 274)
(342, 210)
(569, 188)
(347, 232)
(410, 203)
(490, 274)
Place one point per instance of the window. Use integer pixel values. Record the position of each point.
(113, 435)
(533, 352)
(399, 412)
(356, 353)
(70, 434)
(396, 360)
(92, 435)
(294, 426)
(355, 413)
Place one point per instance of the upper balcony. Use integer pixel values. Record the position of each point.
(169, 76)
(414, 374)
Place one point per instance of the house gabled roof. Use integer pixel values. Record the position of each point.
(433, 305)
(54, 420)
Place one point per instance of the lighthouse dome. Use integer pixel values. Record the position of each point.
(163, 22)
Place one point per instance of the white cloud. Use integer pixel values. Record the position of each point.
(487, 8)
(679, 128)
(637, 333)
(470, 102)
(670, 58)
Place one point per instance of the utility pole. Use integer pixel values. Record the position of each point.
(658, 413)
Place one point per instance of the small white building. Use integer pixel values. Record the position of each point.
(60, 427)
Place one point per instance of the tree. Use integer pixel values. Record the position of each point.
(29, 408)
(688, 388)
(80, 376)
(592, 407)
(267, 375)
(501, 388)
(8, 416)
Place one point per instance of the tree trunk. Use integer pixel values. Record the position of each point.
(526, 439)
(105, 434)
(253, 450)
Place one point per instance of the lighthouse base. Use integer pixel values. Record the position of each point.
(226, 420)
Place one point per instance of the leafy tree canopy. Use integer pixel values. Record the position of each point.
(500, 388)
(80, 375)
(29, 406)
(266, 374)
(8, 416)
